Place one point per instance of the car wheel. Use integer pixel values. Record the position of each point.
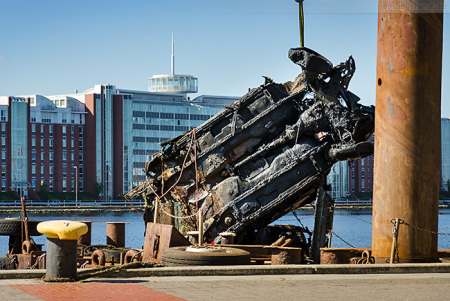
(13, 227)
(181, 256)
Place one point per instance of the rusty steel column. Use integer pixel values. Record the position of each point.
(115, 234)
(407, 128)
(85, 239)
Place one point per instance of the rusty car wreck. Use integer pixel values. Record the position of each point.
(263, 156)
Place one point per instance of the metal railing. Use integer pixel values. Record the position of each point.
(70, 203)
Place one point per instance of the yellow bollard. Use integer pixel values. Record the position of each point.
(62, 241)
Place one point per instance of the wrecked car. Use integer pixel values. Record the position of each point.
(266, 154)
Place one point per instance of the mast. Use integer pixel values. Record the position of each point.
(173, 59)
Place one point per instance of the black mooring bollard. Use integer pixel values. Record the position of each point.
(62, 242)
(61, 259)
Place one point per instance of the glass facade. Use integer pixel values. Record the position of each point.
(445, 144)
(98, 138)
(338, 179)
(127, 143)
(154, 119)
(173, 84)
(107, 141)
(19, 146)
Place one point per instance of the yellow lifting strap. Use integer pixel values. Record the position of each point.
(302, 22)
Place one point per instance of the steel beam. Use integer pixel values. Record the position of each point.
(407, 128)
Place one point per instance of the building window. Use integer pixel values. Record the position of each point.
(64, 182)
(50, 130)
(80, 158)
(64, 118)
(42, 171)
(50, 185)
(3, 142)
(42, 157)
(33, 129)
(50, 144)
(72, 157)
(3, 115)
(46, 117)
(64, 130)
(42, 143)
(33, 143)
(81, 144)
(50, 158)
(50, 171)
(80, 132)
(33, 157)
(3, 128)
(3, 171)
(72, 143)
(64, 171)
(64, 157)
(3, 157)
(33, 171)
(72, 130)
(64, 144)
(33, 183)
(33, 116)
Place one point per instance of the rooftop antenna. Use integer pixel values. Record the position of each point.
(173, 59)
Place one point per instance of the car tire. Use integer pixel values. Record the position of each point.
(178, 256)
(13, 227)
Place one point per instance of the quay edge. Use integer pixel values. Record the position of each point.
(406, 268)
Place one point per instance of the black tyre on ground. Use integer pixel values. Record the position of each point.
(178, 256)
(13, 227)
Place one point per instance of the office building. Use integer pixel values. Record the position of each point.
(102, 137)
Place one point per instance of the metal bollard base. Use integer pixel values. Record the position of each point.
(61, 259)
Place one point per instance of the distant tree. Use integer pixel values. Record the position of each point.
(98, 188)
(43, 191)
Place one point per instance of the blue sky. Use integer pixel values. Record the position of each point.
(54, 47)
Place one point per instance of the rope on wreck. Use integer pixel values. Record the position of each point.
(196, 170)
(102, 271)
(179, 177)
(158, 198)
(133, 206)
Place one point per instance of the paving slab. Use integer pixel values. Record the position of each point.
(416, 286)
(92, 291)
(302, 287)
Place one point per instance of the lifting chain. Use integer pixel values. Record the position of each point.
(334, 233)
(37, 261)
(424, 230)
(360, 219)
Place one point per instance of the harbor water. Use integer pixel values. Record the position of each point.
(351, 228)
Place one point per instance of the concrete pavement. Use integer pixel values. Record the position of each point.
(419, 286)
